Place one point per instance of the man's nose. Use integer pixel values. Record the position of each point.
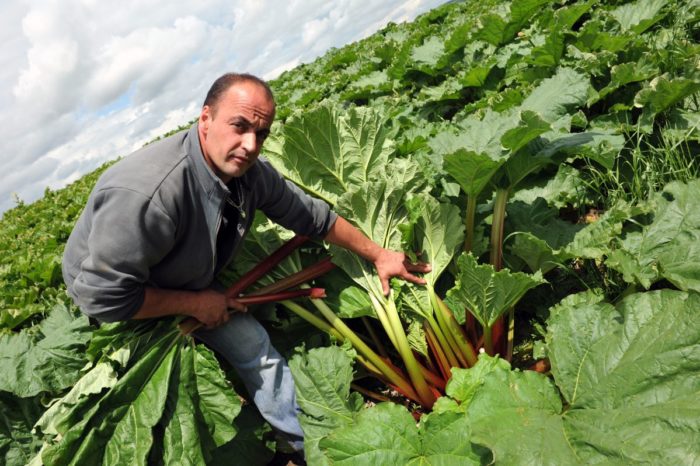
(249, 142)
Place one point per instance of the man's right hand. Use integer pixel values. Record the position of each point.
(212, 308)
(209, 307)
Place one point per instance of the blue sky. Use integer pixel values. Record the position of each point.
(86, 81)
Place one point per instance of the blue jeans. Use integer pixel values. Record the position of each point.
(245, 344)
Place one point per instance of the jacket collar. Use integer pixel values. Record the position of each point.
(212, 184)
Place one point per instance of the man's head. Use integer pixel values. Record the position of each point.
(234, 122)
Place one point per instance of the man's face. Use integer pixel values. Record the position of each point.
(232, 133)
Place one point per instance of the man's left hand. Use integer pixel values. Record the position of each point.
(396, 264)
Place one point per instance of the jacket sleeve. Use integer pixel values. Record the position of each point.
(285, 203)
(129, 233)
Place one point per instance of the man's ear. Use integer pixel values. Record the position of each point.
(204, 119)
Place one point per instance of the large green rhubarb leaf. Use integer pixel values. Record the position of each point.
(630, 378)
(387, 434)
(663, 92)
(487, 293)
(476, 153)
(322, 378)
(640, 15)
(626, 73)
(427, 57)
(200, 409)
(17, 416)
(540, 232)
(170, 404)
(594, 241)
(670, 246)
(45, 359)
(377, 209)
(557, 96)
(217, 400)
(498, 30)
(326, 152)
(57, 418)
(473, 171)
(437, 231)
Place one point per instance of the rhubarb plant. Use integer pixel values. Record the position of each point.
(487, 293)
(599, 406)
(378, 216)
(435, 231)
(603, 357)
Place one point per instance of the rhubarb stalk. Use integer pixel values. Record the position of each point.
(190, 325)
(257, 272)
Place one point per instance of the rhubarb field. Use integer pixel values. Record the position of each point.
(541, 155)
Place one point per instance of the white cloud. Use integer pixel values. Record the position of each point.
(313, 29)
(85, 81)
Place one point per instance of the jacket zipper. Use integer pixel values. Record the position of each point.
(216, 235)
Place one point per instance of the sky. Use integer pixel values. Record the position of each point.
(86, 81)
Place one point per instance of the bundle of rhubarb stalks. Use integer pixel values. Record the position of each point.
(410, 340)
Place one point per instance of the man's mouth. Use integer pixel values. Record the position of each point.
(240, 159)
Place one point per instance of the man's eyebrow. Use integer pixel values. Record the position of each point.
(240, 119)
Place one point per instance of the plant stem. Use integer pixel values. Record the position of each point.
(306, 275)
(373, 335)
(437, 351)
(443, 343)
(311, 318)
(191, 324)
(432, 378)
(265, 266)
(511, 334)
(313, 293)
(488, 343)
(457, 332)
(365, 350)
(499, 215)
(381, 315)
(369, 393)
(425, 394)
(446, 330)
(469, 223)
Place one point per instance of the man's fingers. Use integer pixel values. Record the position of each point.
(421, 267)
(385, 285)
(233, 304)
(414, 279)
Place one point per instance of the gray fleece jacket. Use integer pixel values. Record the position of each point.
(152, 220)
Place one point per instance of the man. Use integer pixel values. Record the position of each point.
(161, 223)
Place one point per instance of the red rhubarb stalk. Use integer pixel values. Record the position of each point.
(436, 350)
(309, 273)
(432, 378)
(265, 266)
(189, 325)
(313, 293)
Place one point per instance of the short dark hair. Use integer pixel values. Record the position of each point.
(224, 83)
